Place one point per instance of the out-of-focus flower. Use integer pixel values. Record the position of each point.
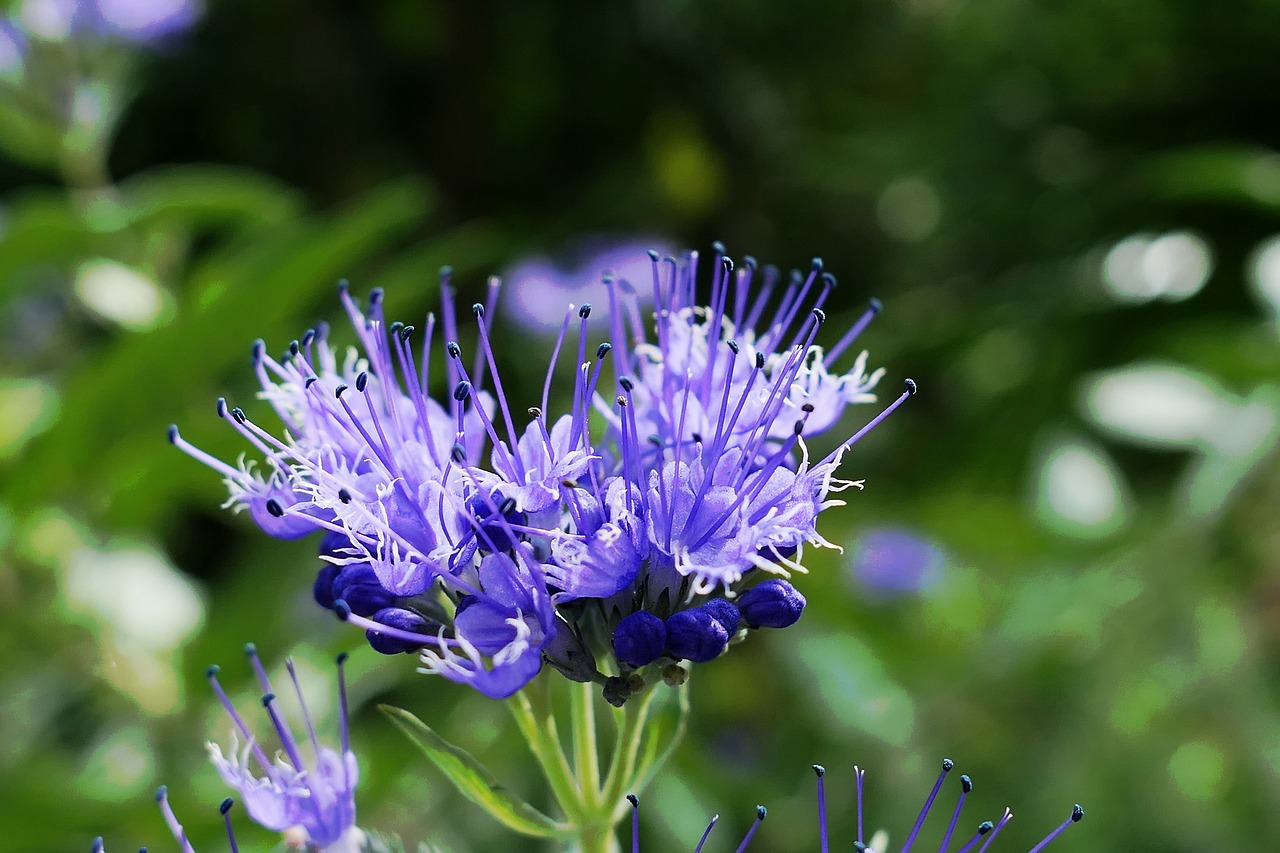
(463, 534)
(537, 289)
(129, 20)
(309, 799)
(894, 561)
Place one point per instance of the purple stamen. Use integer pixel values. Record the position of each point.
(212, 674)
(966, 785)
(761, 813)
(822, 806)
(344, 613)
(555, 357)
(983, 828)
(1001, 824)
(635, 822)
(306, 716)
(873, 308)
(497, 385)
(947, 764)
(857, 436)
(282, 729)
(859, 773)
(179, 834)
(225, 808)
(1077, 814)
(706, 833)
(344, 733)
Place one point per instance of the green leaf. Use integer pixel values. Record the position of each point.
(474, 781)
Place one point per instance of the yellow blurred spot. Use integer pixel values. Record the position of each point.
(122, 767)
(909, 210)
(687, 169)
(1198, 770)
(28, 407)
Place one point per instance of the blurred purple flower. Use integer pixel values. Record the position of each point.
(537, 289)
(136, 21)
(894, 561)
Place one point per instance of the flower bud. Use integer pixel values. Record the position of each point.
(405, 620)
(725, 613)
(639, 639)
(358, 585)
(772, 604)
(323, 587)
(696, 634)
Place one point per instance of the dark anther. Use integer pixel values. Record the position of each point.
(341, 658)
(820, 770)
(829, 280)
(212, 670)
(817, 264)
(341, 608)
(250, 650)
(947, 764)
(161, 793)
(966, 784)
(655, 440)
(507, 506)
(446, 271)
(337, 392)
(478, 310)
(820, 315)
(375, 296)
(585, 311)
(718, 247)
(627, 384)
(1077, 813)
(749, 261)
(798, 426)
(458, 454)
(807, 407)
(727, 262)
(308, 336)
(361, 381)
(405, 333)
(603, 350)
(395, 327)
(911, 386)
(653, 255)
(343, 285)
(875, 305)
(569, 483)
(273, 507)
(620, 400)
(732, 345)
(259, 350)
(985, 827)
(226, 805)
(173, 432)
(344, 496)
(761, 813)
(453, 349)
(796, 277)
(267, 699)
(294, 349)
(221, 407)
(239, 415)
(760, 361)
(697, 437)
(310, 379)
(535, 412)
(634, 800)
(462, 390)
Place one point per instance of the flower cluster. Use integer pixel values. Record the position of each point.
(630, 531)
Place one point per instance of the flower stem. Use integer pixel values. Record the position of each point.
(586, 761)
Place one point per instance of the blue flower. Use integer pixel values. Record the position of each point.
(311, 799)
(476, 534)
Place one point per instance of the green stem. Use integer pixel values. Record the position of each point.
(586, 760)
(544, 743)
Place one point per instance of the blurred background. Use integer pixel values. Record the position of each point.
(1064, 572)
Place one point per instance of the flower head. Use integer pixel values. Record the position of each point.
(306, 791)
(488, 544)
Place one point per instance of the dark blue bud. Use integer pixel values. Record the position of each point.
(333, 542)
(358, 585)
(405, 620)
(725, 612)
(639, 639)
(772, 604)
(323, 587)
(696, 635)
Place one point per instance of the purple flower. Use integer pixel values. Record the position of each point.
(307, 791)
(894, 561)
(476, 533)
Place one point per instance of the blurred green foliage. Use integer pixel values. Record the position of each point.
(1064, 207)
